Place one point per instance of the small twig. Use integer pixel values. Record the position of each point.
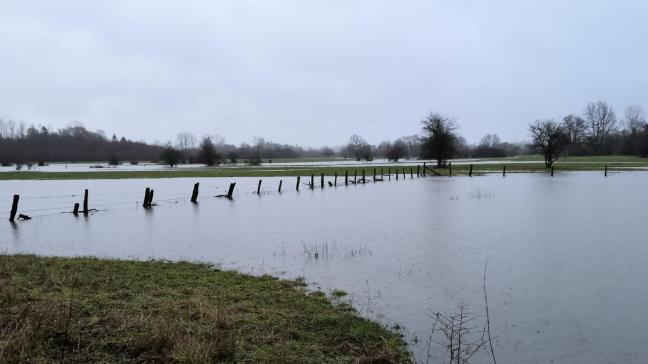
(490, 340)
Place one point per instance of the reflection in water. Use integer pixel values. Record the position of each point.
(566, 255)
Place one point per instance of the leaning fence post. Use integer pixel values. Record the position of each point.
(194, 194)
(470, 171)
(259, 187)
(280, 182)
(76, 209)
(14, 208)
(146, 197)
(85, 202)
(231, 190)
(606, 171)
(297, 186)
(150, 201)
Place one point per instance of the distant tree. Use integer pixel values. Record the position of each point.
(257, 152)
(185, 141)
(114, 161)
(171, 156)
(208, 153)
(548, 138)
(576, 129)
(440, 138)
(114, 138)
(601, 121)
(232, 157)
(490, 141)
(635, 118)
(357, 147)
(327, 151)
(397, 150)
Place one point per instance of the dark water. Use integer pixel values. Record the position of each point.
(567, 256)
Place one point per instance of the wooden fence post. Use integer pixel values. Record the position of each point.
(194, 194)
(382, 175)
(606, 171)
(364, 178)
(503, 171)
(14, 208)
(552, 171)
(470, 171)
(374, 175)
(424, 166)
(403, 172)
(450, 167)
(418, 170)
(230, 191)
(259, 187)
(355, 176)
(297, 186)
(146, 197)
(280, 182)
(150, 201)
(322, 181)
(85, 202)
(397, 174)
(335, 180)
(346, 177)
(76, 209)
(389, 173)
(312, 183)
(411, 173)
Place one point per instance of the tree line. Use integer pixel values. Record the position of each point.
(594, 132)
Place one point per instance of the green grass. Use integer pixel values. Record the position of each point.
(89, 310)
(513, 165)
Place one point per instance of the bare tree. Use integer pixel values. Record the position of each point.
(440, 139)
(635, 118)
(601, 121)
(396, 150)
(185, 141)
(548, 138)
(208, 153)
(576, 129)
(358, 147)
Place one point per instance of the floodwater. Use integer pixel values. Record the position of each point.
(567, 256)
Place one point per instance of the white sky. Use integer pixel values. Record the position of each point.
(315, 72)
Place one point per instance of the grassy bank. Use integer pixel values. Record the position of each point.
(90, 310)
(513, 165)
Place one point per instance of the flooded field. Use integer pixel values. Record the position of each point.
(567, 256)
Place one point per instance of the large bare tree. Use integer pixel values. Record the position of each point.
(185, 141)
(576, 129)
(440, 138)
(548, 137)
(601, 121)
(635, 118)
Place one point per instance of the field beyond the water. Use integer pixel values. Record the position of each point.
(90, 310)
(297, 167)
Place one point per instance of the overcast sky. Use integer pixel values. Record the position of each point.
(315, 72)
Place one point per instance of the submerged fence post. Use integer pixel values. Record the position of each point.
(503, 171)
(146, 197)
(389, 173)
(552, 171)
(424, 166)
(312, 182)
(346, 177)
(150, 200)
(335, 180)
(231, 190)
(403, 172)
(364, 178)
(450, 169)
(322, 181)
(355, 176)
(374, 175)
(397, 174)
(411, 173)
(297, 186)
(259, 187)
(470, 171)
(280, 183)
(14, 208)
(76, 209)
(194, 194)
(606, 171)
(418, 170)
(85, 202)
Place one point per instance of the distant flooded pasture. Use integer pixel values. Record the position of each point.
(567, 256)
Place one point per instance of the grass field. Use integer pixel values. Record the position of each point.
(513, 165)
(86, 310)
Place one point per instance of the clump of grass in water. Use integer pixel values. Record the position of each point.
(479, 194)
(325, 250)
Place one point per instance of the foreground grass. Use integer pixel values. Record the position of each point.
(90, 310)
(513, 165)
